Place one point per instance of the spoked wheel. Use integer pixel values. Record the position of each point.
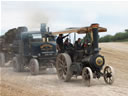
(87, 76)
(63, 63)
(34, 66)
(109, 75)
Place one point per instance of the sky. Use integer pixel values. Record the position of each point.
(59, 15)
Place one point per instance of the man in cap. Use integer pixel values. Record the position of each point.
(59, 42)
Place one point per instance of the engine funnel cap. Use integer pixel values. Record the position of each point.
(95, 25)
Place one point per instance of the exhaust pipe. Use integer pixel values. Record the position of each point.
(43, 28)
(95, 37)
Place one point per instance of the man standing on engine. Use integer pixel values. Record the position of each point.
(59, 42)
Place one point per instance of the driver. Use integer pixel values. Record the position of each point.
(59, 42)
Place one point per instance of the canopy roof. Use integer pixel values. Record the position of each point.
(82, 30)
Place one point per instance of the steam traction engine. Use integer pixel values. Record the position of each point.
(35, 50)
(87, 62)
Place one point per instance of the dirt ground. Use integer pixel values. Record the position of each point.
(48, 84)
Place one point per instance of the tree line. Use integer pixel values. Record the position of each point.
(118, 37)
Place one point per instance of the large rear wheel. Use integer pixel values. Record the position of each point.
(34, 66)
(63, 63)
(109, 75)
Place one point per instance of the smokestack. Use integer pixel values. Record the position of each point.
(43, 28)
(95, 37)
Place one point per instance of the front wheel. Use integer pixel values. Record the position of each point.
(34, 66)
(87, 76)
(109, 75)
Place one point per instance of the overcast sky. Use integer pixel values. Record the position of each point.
(60, 15)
